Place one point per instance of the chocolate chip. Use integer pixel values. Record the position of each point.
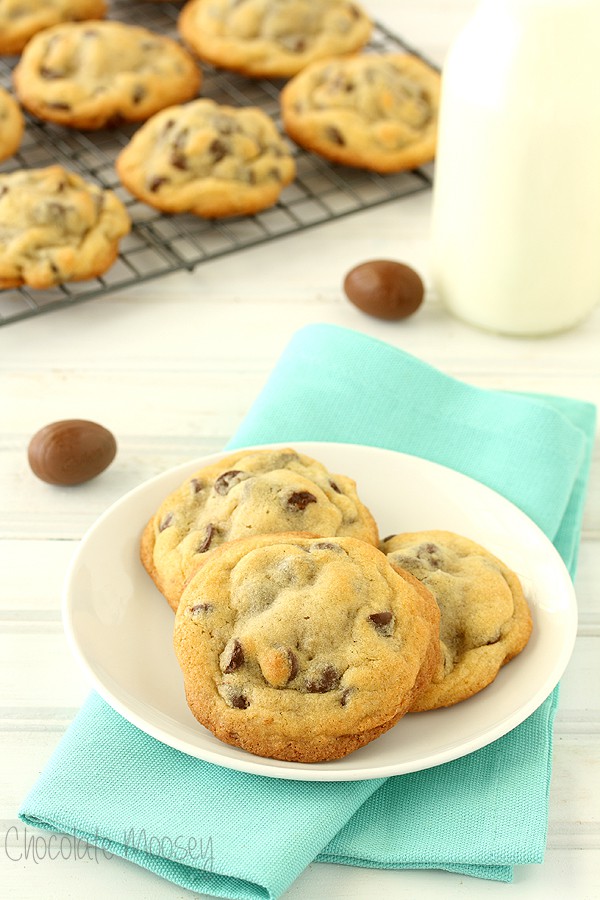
(299, 500)
(155, 183)
(59, 105)
(201, 608)
(3, 190)
(227, 480)
(293, 661)
(196, 485)
(233, 696)
(166, 521)
(426, 556)
(326, 545)
(327, 681)
(345, 697)
(208, 536)
(218, 150)
(238, 701)
(178, 160)
(335, 487)
(383, 621)
(48, 73)
(139, 92)
(431, 554)
(334, 135)
(56, 212)
(232, 657)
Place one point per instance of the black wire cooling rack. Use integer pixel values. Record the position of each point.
(159, 244)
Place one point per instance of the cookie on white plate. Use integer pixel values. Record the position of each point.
(245, 493)
(485, 618)
(302, 648)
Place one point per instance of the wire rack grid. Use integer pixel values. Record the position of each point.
(160, 244)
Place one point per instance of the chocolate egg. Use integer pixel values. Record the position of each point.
(71, 451)
(384, 289)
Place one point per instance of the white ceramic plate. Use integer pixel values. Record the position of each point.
(120, 627)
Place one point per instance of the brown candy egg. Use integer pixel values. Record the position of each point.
(71, 451)
(384, 289)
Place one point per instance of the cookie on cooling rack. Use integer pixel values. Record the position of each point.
(246, 493)
(272, 38)
(95, 74)
(485, 618)
(207, 159)
(11, 125)
(56, 227)
(19, 21)
(372, 111)
(302, 648)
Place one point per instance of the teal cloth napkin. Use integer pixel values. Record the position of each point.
(238, 835)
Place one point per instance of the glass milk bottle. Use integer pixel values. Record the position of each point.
(516, 195)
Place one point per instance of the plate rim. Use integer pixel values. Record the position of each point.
(279, 768)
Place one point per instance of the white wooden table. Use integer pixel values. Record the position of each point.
(171, 367)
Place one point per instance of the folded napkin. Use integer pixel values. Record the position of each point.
(238, 835)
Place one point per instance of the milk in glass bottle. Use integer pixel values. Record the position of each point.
(516, 197)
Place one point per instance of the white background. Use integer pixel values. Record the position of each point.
(171, 368)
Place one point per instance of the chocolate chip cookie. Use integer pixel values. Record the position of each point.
(56, 227)
(272, 38)
(303, 648)
(207, 159)
(90, 75)
(11, 125)
(248, 493)
(485, 619)
(373, 111)
(21, 19)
